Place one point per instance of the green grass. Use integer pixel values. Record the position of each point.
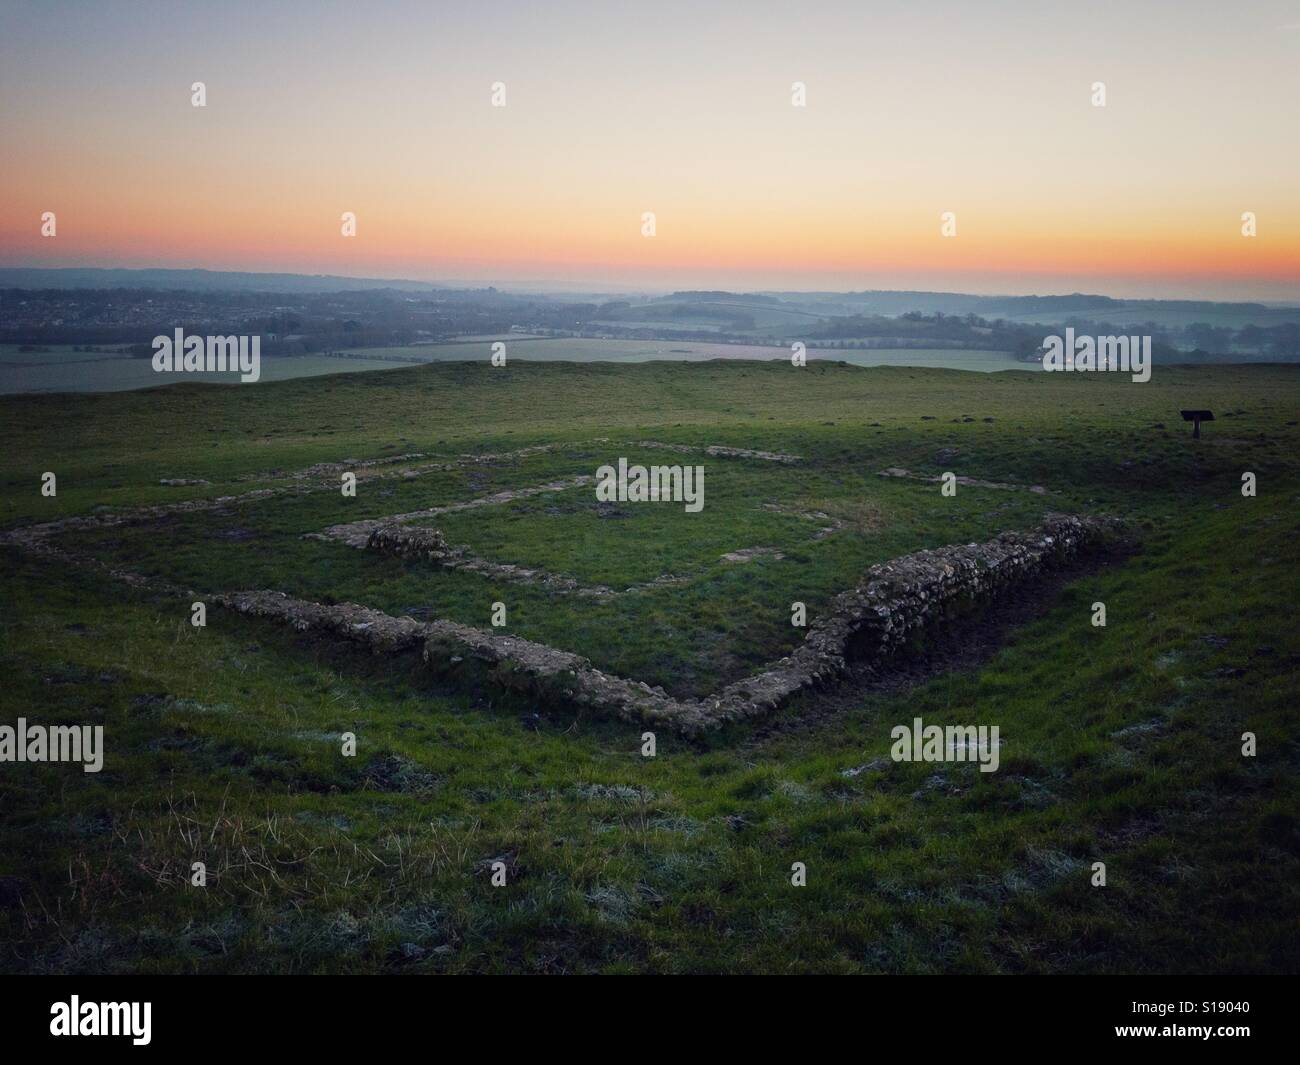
(63, 370)
(579, 349)
(721, 622)
(1121, 744)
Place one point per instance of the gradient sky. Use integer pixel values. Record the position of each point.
(683, 109)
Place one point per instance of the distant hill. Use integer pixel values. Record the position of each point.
(769, 312)
(199, 280)
(1036, 310)
(718, 295)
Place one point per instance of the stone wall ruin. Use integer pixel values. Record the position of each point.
(894, 601)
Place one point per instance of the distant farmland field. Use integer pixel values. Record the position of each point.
(61, 369)
(570, 349)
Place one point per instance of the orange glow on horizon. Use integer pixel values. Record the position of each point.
(988, 117)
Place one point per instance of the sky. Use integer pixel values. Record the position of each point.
(913, 109)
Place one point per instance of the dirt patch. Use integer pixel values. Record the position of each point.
(718, 451)
(969, 482)
(748, 554)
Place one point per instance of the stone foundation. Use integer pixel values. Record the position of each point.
(397, 541)
(902, 597)
(894, 601)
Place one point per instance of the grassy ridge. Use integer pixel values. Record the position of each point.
(112, 448)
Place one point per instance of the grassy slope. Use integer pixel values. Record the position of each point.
(1121, 744)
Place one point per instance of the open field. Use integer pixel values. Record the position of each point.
(64, 370)
(1121, 744)
(577, 349)
(61, 369)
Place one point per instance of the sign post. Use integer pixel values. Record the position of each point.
(1196, 417)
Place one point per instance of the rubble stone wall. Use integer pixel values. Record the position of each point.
(397, 541)
(900, 598)
(894, 601)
